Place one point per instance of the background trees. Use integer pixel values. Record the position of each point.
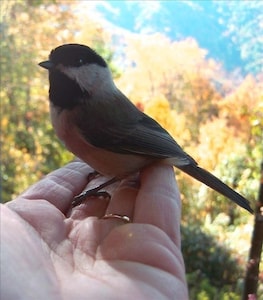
(216, 116)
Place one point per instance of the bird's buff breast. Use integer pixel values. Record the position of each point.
(105, 162)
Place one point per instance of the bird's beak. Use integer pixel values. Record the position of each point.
(46, 64)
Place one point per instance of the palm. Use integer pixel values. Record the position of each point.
(76, 255)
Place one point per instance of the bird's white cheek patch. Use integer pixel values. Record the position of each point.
(85, 76)
(90, 78)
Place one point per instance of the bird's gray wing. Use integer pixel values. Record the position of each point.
(120, 127)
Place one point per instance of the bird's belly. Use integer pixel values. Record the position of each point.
(105, 162)
(108, 163)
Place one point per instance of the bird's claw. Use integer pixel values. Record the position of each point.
(90, 193)
(94, 192)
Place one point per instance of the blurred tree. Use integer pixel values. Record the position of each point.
(243, 110)
(255, 256)
(208, 261)
(179, 71)
(159, 108)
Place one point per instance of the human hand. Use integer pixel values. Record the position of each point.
(49, 251)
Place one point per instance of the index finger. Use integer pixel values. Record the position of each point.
(158, 201)
(60, 186)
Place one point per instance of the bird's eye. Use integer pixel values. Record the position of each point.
(80, 62)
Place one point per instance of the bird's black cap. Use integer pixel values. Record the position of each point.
(73, 55)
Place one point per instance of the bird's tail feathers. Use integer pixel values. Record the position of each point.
(216, 184)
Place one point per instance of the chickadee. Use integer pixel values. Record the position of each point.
(105, 129)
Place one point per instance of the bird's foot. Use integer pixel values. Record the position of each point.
(93, 175)
(95, 192)
(90, 193)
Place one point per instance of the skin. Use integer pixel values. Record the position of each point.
(50, 251)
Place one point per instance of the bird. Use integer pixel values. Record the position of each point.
(101, 126)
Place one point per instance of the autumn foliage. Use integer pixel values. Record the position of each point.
(215, 116)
